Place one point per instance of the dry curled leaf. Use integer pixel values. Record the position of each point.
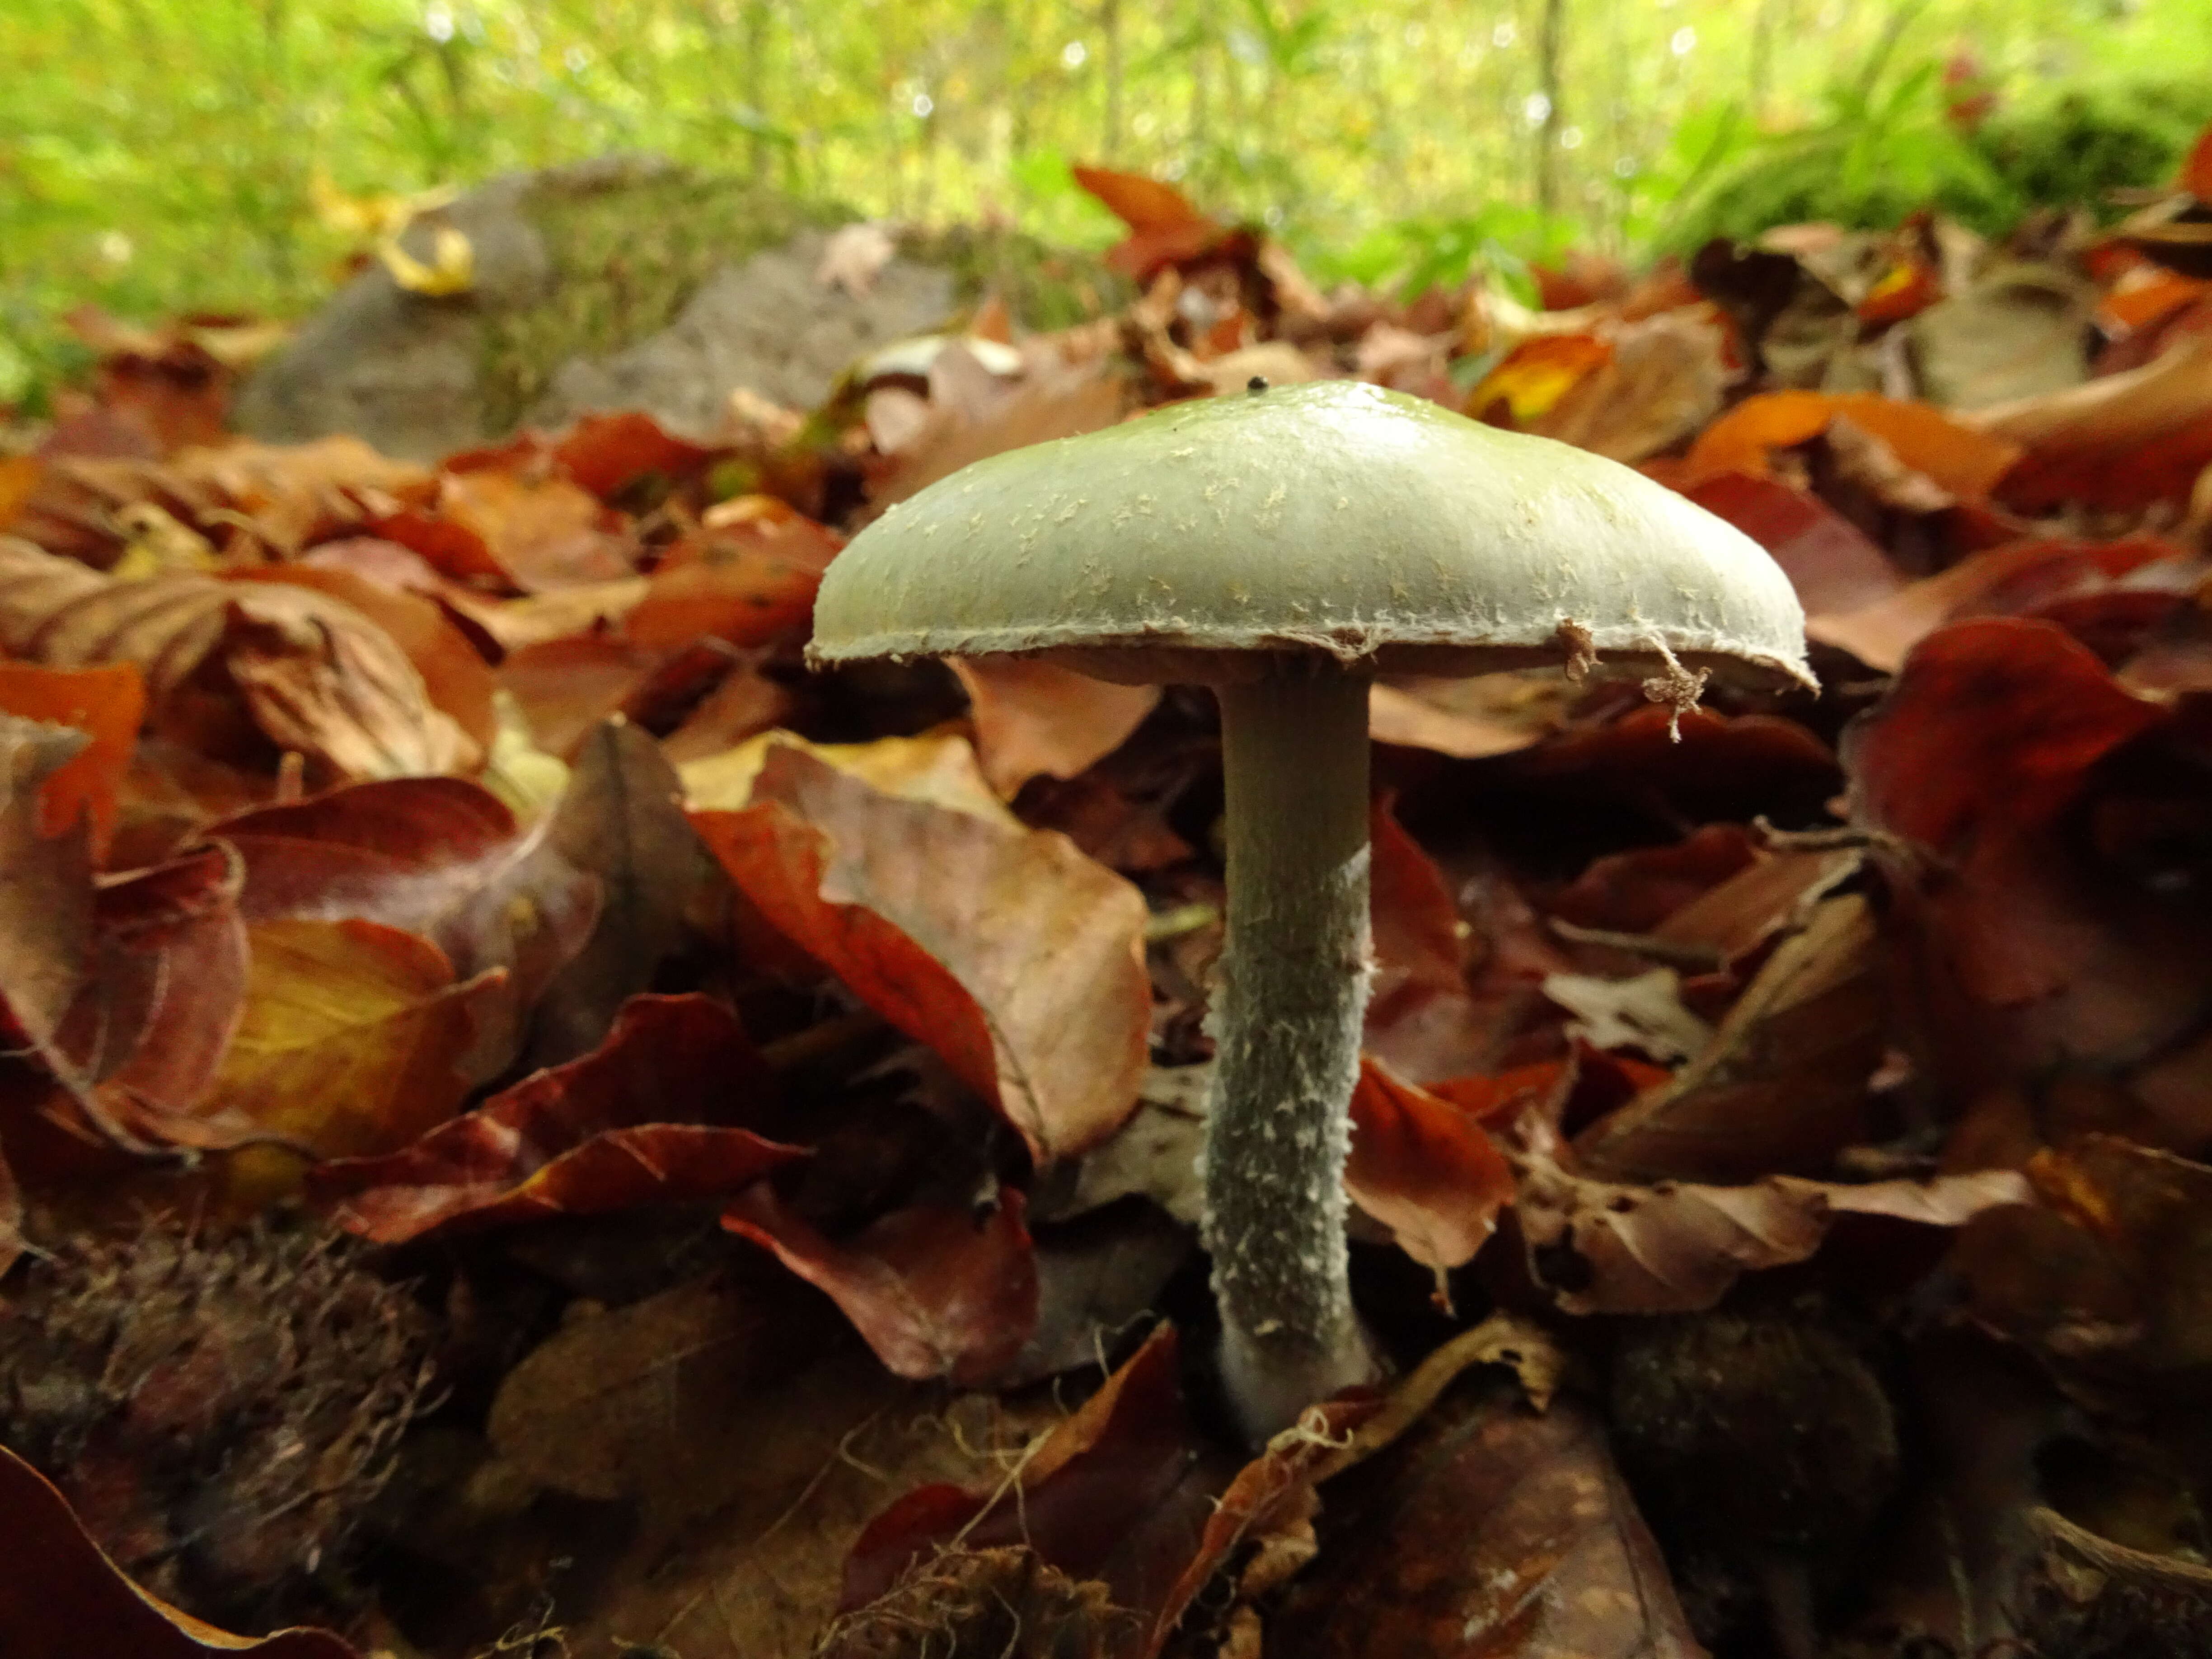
(1675, 1246)
(227, 664)
(648, 1116)
(1018, 960)
(60, 1595)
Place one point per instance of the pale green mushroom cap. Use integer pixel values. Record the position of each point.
(1334, 517)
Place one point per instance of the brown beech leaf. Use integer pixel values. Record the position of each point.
(1421, 1167)
(936, 1290)
(457, 679)
(538, 533)
(2113, 1266)
(46, 881)
(1832, 563)
(937, 768)
(1660, 383)
(1782, 1084)
(2120, 440)
(1990, 722)
(107, 704)
(1420, 941)
(2016, 578)
(1164, 228)
(1018, 960)
(1959, 453)
(441, 857)
(749, 580)
(1487, 1529)
(1672, 1247)
(287, 496)
(1471, 718)
(1121, 1493)
(59, 1594)
(622, 822)
(164, 989)
(1636, 891)
(608, 453)
(1035, 719)
(311, 672)
(352, 1038)
(648, 1116)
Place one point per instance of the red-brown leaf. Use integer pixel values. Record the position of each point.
(1421, 1167)
(647, 1117)
(1007, 952)
(59, 1594)
(937, 1291)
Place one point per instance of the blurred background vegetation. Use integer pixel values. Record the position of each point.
(165, 156)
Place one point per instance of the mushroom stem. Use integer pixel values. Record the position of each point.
(1287, 1026)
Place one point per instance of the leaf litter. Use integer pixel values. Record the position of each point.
(762, 1110)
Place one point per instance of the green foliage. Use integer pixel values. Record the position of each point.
(1880, 153)
(166, 156)
(2075, 143)
(1414, 255)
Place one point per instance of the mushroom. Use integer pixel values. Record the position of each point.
(1282, 546)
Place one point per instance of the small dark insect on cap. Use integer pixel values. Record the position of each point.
(1257, 383)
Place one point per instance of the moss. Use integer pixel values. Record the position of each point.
(625, 252)
(1045, 288)
(2073, 145)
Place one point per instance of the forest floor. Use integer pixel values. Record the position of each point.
(538, 1125)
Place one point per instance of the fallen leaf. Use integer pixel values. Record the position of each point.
(939, 769)
(631, 1402)
(2017, 578)
(1164, 228)
(1660, 382)
(456, 679)
(59, 1594)
(107, 704)
(1121, 1493)
(1471, 718)
(1988, 719)
(1832, 563)
(1016, 958)
(1967, 459)
(166, 983)
(2121, 440)
(1644, 1012)
(1419, 940)
(45, 881)
(1636, 891)
(1420, 1167)
(646, 1117)
(441, 857)
(748, 583)
(313, 673)
(540, 533)
(1033, 718)
(2020, 330)
(1534, 375)
(1487, 1529)
(2111, 1267)
(622, 822)
(351, 1040)
(1783, 1084)
(935, 1290)
(607, 453)
(1672, 1247)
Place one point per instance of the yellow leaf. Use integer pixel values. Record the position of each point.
(350, 1044)
(937, 767)
(451, 270)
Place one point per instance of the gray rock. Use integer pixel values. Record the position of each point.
(622, 282)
